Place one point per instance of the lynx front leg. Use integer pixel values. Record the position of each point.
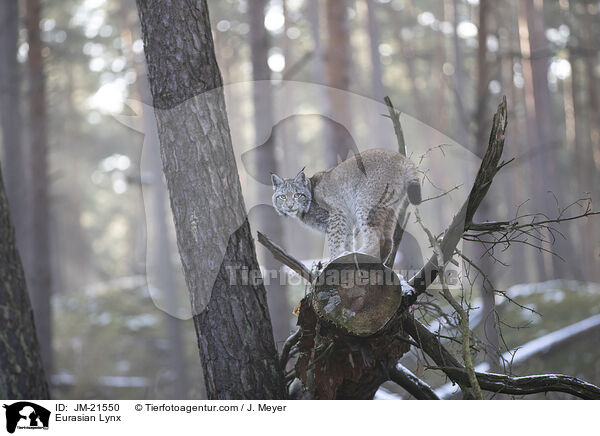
(337, 233)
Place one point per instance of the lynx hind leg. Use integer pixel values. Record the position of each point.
(338, 230)
(371, 223)
(387, 240)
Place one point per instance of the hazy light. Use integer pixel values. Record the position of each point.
(385, 49)
(23, 52)
(293, 32)
(94, 117)
(446, 27)
(274, 19)
(494, 87)
(223, 26)
(466, 29)
(97, 64)
(48, 24)
(242, 28)
(492, 43)
(561, 68)
(138, 46)
(276, 61)
(60, 36)
(518, 80)
(92, 4)
(109, 98)
(130, 77)
(106, 31)
(119, 186)
(558, 36)
(115, 161)
(118, 64)
(92, 49)
(426, 19)
(448, 69)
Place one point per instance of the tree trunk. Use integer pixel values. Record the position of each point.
(21, 369)
(459, 94)
(230, 314)
(378, 91)
(535, 141)
(266, 161)
(338, 64)
(10, 116)
(491, 334)
(593, 155)
(376, 71)
(40, 273)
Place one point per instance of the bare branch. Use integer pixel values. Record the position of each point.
(531, 384)
(411, 383)
(395, 117)
(291, 262)
(463, 219)
(463, 315)
(287, 347)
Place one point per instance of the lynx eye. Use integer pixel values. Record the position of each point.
(282, 197)
(297, 195)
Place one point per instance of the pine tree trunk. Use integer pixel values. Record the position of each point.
(40, 272)
(10, 116)
(490, 325)
(21, 369)
(266, 162)
(232, 322)
(338, 70)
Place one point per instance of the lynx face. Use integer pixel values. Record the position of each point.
(292, 196)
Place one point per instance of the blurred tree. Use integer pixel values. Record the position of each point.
(234, 331)
(591, 166)
(266, 162)
(491, 334)
(338, 70)
(40, 272)
(374, 39)
(459, 74)
(21, 369)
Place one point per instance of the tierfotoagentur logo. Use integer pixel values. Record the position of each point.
(24, 415)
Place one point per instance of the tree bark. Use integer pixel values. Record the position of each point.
(21, 369)
(40, 273)
(232, 322)
(10, 116)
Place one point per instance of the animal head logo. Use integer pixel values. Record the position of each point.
(298, 108)
(26, 415)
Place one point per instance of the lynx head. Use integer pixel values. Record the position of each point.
(291, 196)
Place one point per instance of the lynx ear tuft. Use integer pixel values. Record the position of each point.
(300, 177)
(276, 181)
(414, 192)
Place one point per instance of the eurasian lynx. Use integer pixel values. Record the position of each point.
(357, 200)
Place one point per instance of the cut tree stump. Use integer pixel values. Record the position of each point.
(358, 294)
